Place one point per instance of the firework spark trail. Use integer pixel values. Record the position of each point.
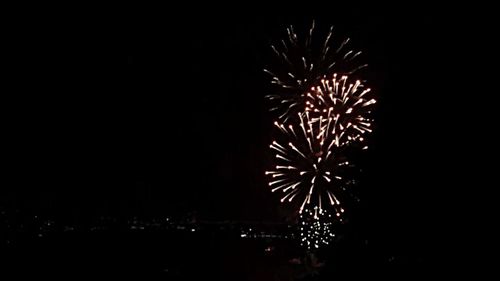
(302, 63)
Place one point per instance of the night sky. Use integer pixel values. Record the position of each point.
(149, 114)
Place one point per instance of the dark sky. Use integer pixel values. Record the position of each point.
(152, 113)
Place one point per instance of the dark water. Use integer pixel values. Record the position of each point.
(161, 255)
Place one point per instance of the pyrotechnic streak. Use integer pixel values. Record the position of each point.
(302, 60)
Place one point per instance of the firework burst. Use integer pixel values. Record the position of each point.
(308, 166)
(301, 62)
(345, 104)
(311, 157)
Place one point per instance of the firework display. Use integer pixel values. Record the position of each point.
(324, 116)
